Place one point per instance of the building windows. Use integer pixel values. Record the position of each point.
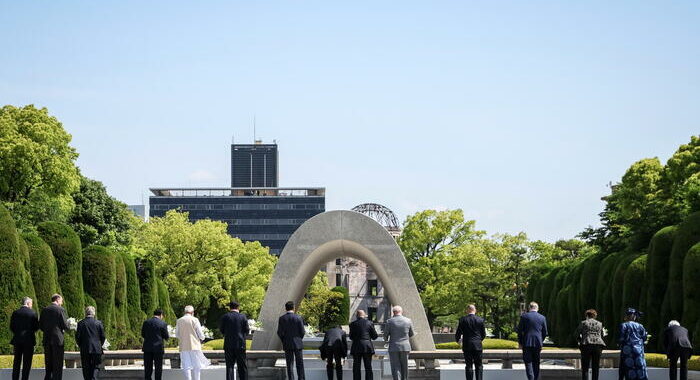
(372, 314)
(338, 279)
(372, 288)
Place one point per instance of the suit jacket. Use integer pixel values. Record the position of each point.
(90, 336)
(590, 332)
(471, 331)
(234, 327)
(189, 333)
(397, 332)
(53, 323)
(24, 323)
(154, 332)
(362, 333)
(290, 329)
(335, 341)
(532, 329)
(676, 337)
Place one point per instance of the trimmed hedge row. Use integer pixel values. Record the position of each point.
(99, 274)
(43, 269)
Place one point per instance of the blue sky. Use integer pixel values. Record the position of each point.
(518, 112)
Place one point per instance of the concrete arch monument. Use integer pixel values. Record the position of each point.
(328, 236)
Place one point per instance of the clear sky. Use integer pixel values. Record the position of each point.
(518, 112)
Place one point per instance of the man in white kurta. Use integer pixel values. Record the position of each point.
(190, 335)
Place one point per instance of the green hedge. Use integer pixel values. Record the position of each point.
(120, 314)
(635, 284)
(43, 269)
(603, 297)
(687, 235)
(26, 265)
(657, 280)
(14, 280)
(617, 291)
(344, 312)
(691, 290)
(99, 274)
(489, 344)
(133, 294)
(588, 283)
(65, 246)
(147, 285)
(165, 305)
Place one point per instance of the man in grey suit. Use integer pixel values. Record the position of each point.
(397, 332)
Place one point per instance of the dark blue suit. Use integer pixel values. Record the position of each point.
(154, 332)
(234, 326)
(290, 329)
(532, 330)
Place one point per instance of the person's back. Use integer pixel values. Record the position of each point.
(471, 331)
(291, 331)
(90, 336)
(234, 327)
(532, 329)
(362, 333)
(188, 328)
(632, 333)
(676, 337)
(154, 332)
(24, 323)
(678, 347)
(335, 340)
(399, 329)
(53, 323)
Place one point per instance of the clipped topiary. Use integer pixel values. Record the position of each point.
(588, 283)
(166, 306)
(133, 294)
(344, 306)
(14, 279)
(26, 263)
(687, 235)
(99, 274)
(691, 289)
(635, 283)
(65, 246)
(657, 280)
(43, 269)
(120, 313)
(146, 271)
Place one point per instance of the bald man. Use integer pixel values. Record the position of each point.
(470, 333)
(362, 333)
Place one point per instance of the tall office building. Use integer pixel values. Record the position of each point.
(254, 165)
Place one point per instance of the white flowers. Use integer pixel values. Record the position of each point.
(605, 332)
(171, 332)
(72, 323)
(105, 345)
(207, 333)
(254, 325)
(309, 331)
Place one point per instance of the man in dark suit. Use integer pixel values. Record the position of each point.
(53, 323)
(677, 346)
(290, 329)
(154, 332)
(234, 327)
(532, 330)
(362, 333)
(24, 323)
(90, 336)
(471, 332)
(334, 348)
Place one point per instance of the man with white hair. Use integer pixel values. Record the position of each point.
(397, 331)
(24, 323)
(532, 330)
(90, 336)
(190, 335)
(677, 346)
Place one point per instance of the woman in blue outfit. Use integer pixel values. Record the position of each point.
(633, 366)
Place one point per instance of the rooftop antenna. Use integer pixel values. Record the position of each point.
(255, 139)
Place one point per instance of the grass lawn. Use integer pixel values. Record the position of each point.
(37, 361)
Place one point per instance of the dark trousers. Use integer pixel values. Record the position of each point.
(338, 358)
(683, 354)
(236, 357)
(149, 360)
(292, 356)
(357, 360)
(473, 364)
(531, 357)
(590, 358)
(91, 365)
(53, 362)
(23, 357)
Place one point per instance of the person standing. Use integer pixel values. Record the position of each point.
(334, 348)
(397, 331)
(290, 330)
(53, 323)
(234, 327)
(633, 365)
(678, 346)
(362, 333)
(154, 332)
(90, 336)
(23, 323)
(532, 330)
(190, 335)
(471, 331)
(589, 336)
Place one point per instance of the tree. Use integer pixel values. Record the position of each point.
(99, 274)
(43, 269)
(320, 306)
(213, 263)
(65, 245)
(99, 218)
(37, 165)
(657, 280)
(133, 293)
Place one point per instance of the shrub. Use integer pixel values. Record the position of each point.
(43, 269)
(617, 290)
(133, 294)
(603, 296)
(26, 265)
(164, 303)
(120, 318)
(661, 361)
(657, 279)
(634, 283)
(687, 235)
(691, 289)
(65, 246)
(344, 306)
(489, 344)
(146, 272)
(588, 283)
(14, 279)
(99, 273)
